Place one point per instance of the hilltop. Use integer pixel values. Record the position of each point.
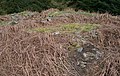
(59, 43)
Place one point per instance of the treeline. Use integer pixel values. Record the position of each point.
(12, 6)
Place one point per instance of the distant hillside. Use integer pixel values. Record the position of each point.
(11, 6)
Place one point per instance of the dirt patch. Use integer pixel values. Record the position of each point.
(82, 58)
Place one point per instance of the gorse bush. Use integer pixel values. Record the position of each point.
(110, 6)
(11, 6)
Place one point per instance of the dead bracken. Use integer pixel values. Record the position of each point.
(69, 44)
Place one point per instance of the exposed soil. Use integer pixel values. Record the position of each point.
(95, 52)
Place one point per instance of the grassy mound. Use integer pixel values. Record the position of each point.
(39, 44)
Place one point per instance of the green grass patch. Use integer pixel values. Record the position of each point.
(70, 27)
(62, 13)
(67, 28)
(43, 30)
(74, 27)
(88, 27)
(25, 13)
(86, 13)
(7, 23)
(3, 23)
(56, 13)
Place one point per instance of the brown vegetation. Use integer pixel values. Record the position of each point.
(33, 53)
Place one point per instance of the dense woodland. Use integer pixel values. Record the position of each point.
(13, 6)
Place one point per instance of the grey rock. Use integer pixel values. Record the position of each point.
(13, 22)
(49, 19)
(44, 21)
(88, 54)
(56, 33)
(83, 64)
(98, 54)
(78, 63)
(80, 49)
